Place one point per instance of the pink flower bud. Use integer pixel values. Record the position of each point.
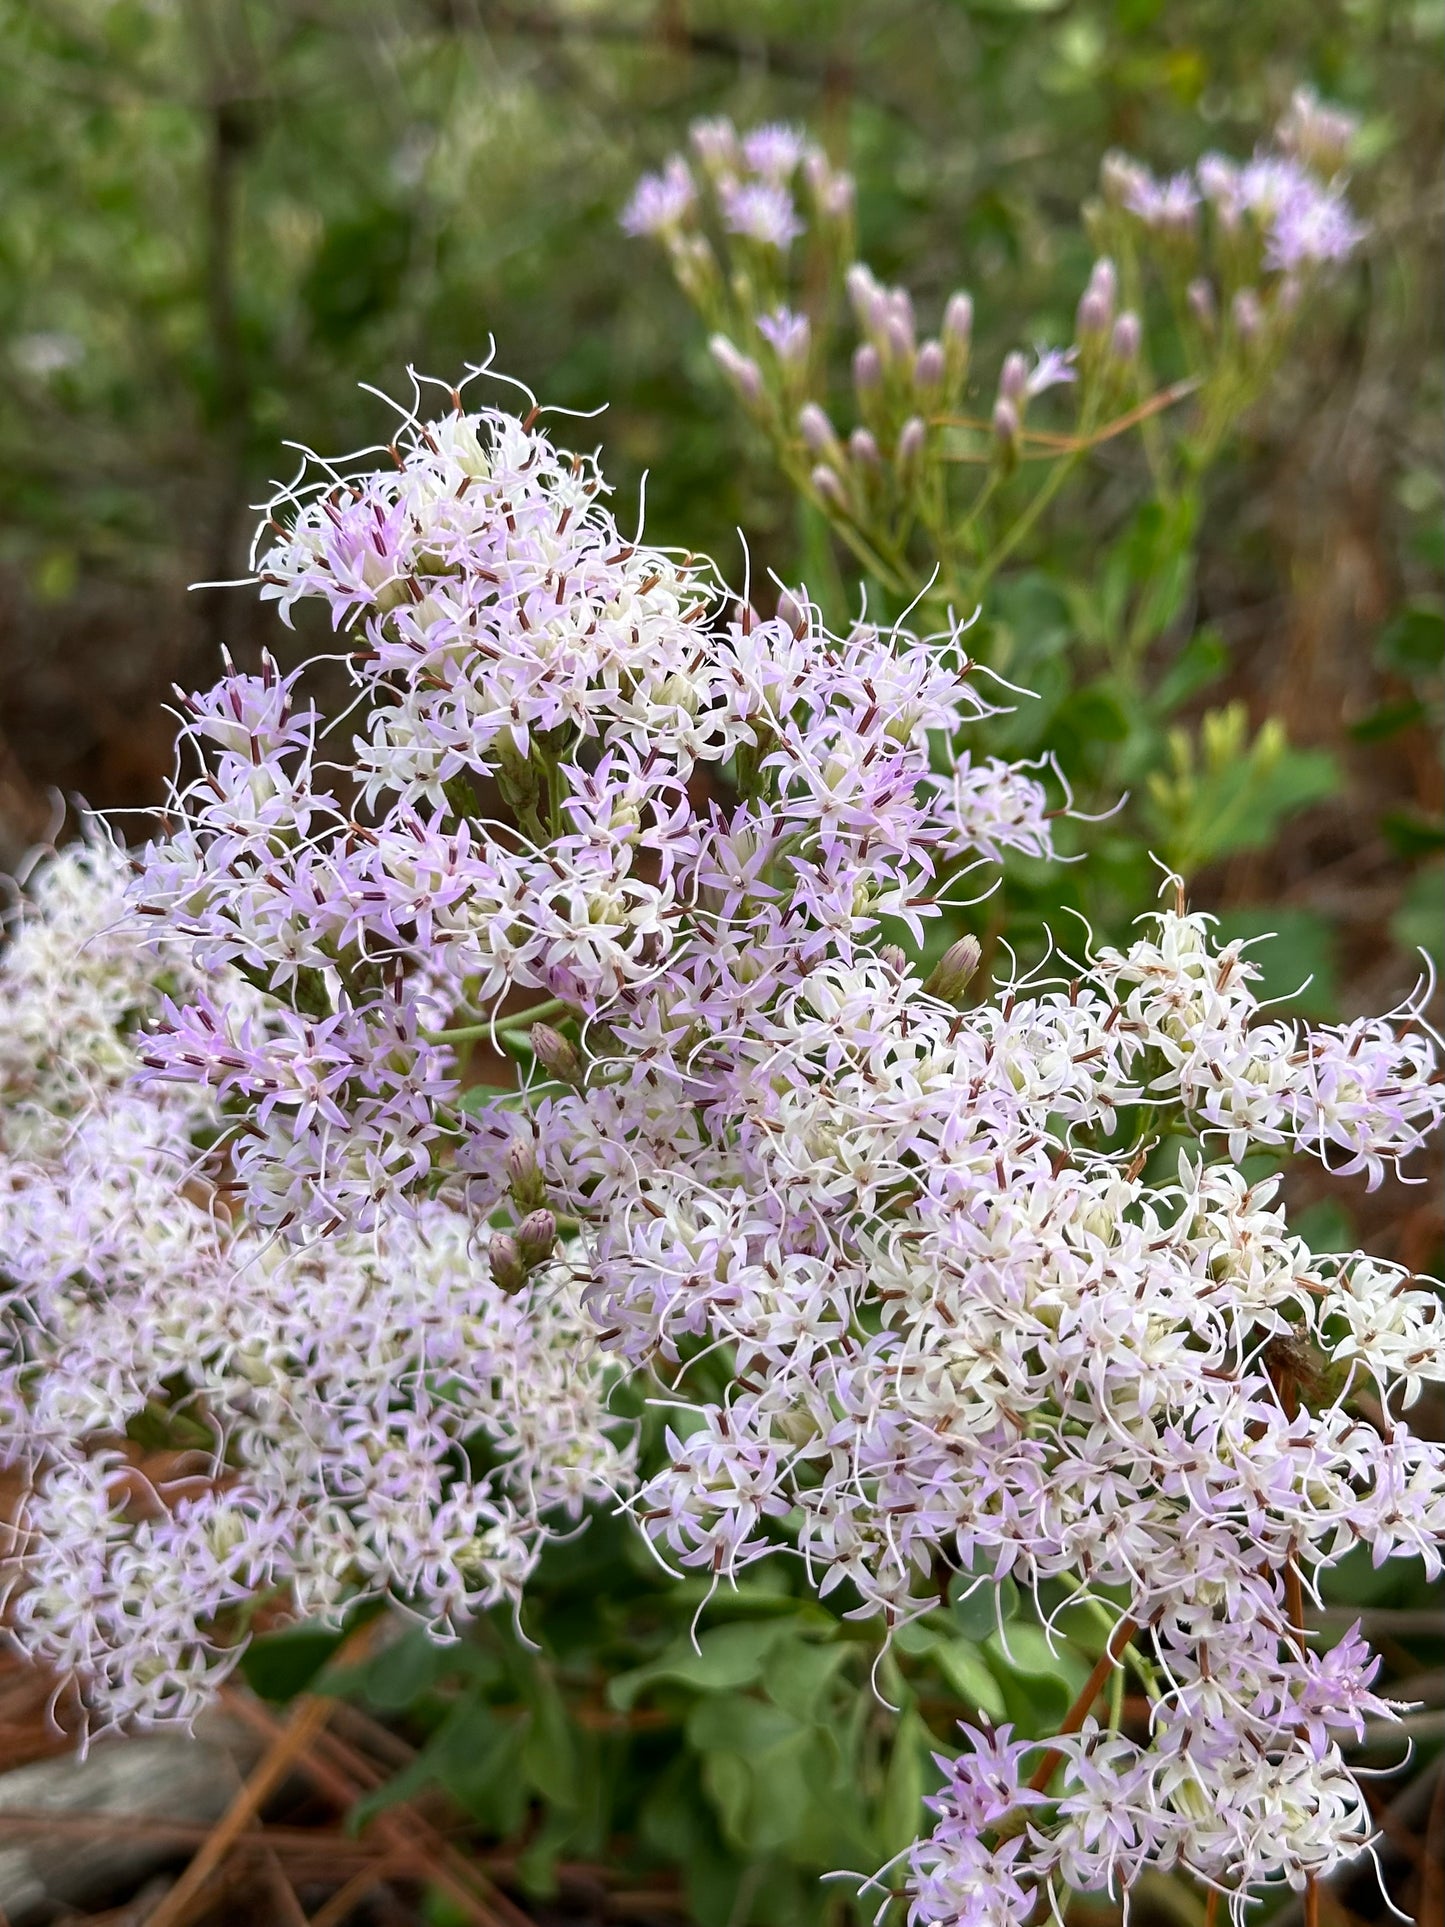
(556, 1054)
(867, 370)
(504, 1257)
(536, 1238)
(911, 439)
(524, 1178)
(741, 370)
(951, 975)
(1200, 297)
(1248, 316)
(826, 483)
(863, 447)
(818, 433)
(1092, 317)
(1013, 381)
(1127, 338)
(929, 367)
(957, 327)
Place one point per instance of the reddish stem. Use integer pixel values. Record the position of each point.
(1119, 1639)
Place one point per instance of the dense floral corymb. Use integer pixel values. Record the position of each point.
(995, 1296)
(206, 1420)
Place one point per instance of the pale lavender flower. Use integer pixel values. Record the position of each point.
(760, 211)
(787, 334)
(661, 203)
(774, 150)
(1053, 367)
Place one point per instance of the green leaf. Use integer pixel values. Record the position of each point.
(481, 1097)
(759, 1768)
(735, 1722)
(1388, 720)
(900, 1813)
(1413, 833)
(1325, 1227)
(729, 1784)
(726, 1658)
(1095, 713)
(477, 1759)
(977, 1606)
(537, 1862)
(1419, 923)
(1203, 660)
(278, 1666)
(797, 1672)
(969, 1674)
(357, 271)
(404, 1671)
(1040, 1679)
(549, 1752)
(1412, 644)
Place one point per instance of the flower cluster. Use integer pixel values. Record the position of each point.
(202, 1419)
(993, 1295)
(770, 272)
(1272, 220)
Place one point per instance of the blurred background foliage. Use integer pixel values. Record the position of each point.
(217, 217)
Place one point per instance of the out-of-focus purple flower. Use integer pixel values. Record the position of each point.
(1169, 205)
(661, 203)
(760, 211)
(1053, 368)
(774, 150)
(787, 334)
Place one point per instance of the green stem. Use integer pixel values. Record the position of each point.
(1025, 523)
(504, 1027)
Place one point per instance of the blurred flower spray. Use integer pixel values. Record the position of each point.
(936, 501)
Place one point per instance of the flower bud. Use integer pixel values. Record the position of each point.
(509, 1273)
(929, 368)
(1104, 282)
(818, 433)
(1006, 428)
(536, 1238)
(695, 265)
(832, 189)
(1092, 316)
(716, 143)
(892, 955)
(867, 370)
(741, 370)
(556, 1054)
(911, 439)
(524, 1178)
(898, 339)
(870, 303)
(826, 483)
(1013, 378)
(950, 976)
(863, 447)
(1127, 338)
(1248, 316)
(957, 330)
(1200, 297)
(1319, 135)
